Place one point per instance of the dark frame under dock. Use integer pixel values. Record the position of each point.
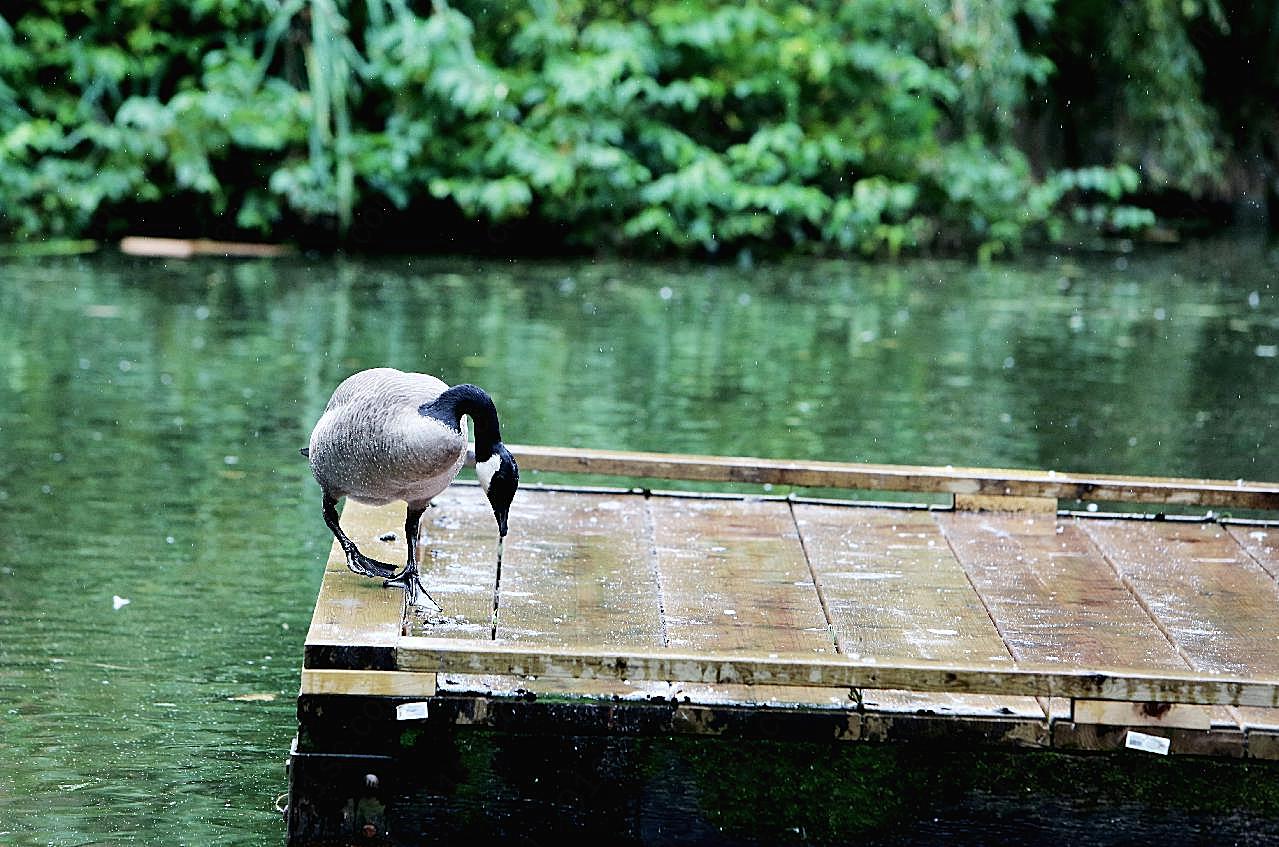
(644, 666)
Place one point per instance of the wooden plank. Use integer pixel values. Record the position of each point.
(733, 577)
(447, 656)
(867, 477)
(1261, 542)
(1217, 604)
(580, 571)
(1056, 600)
(368, 683)
(458, 559)
(356, 621)
(893, 588)
(1001, 503)
(1141, 714)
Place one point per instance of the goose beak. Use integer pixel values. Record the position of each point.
(501, 547)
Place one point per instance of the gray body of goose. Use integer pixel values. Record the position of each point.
(388, 435)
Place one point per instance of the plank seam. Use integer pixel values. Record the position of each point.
(1003, 636)
(651, 530)
(1274, 575)
(1150, 613)
(817, 583)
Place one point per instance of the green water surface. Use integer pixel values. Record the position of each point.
(151, 411)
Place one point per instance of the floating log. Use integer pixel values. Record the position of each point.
(185, 248)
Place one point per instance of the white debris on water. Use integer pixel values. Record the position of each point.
(118, 602)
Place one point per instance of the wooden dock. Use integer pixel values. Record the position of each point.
(989, 620)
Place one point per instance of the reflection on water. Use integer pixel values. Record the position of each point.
(150, 415)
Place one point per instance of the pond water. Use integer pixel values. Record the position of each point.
(151, 411)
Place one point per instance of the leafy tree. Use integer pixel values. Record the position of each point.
(657, 125)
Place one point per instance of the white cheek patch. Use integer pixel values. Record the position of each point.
(485, 470)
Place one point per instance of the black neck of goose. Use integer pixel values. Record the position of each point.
(471, 400)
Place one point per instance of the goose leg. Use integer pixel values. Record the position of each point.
(355, 560)
(409, 579)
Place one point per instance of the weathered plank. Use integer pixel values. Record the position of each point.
(368, 683)
(443, 655)
(458, 560)
(867, 477)
(579, 571)
(894, 589)
(734, 577)
(356, 621)
(1056, 600)
(1262, 543)
(1213, 599)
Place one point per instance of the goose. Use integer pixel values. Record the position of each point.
(389, 435)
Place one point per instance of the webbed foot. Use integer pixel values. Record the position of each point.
(364, 566)
(411, 581)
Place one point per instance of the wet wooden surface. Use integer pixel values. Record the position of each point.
(892, 586)
(632, 574)
(1208, 594)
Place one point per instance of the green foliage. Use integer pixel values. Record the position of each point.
(659, 125)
